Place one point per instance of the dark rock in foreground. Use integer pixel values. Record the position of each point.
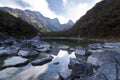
(109, 70)
(97, 76)
(15, 62)
(80, 68)
(66, 75)
(42, 61)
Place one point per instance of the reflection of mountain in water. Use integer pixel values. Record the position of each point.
(48, 71)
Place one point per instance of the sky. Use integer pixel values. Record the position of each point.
(64, 10)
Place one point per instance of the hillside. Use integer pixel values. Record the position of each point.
(102, 21)
(43, 24)
(12, 26)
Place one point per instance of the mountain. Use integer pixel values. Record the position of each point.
(102, 21)
(43, 24)
(68, 25)
(15, 27)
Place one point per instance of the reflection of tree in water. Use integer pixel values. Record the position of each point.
(52, 70)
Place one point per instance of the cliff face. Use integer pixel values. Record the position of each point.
(15, 27)
(43, 24)
(103, 20)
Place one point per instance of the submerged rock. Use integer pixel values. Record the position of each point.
(15, 62)
(42, 61)
(80, 68)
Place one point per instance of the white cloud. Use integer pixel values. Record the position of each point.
(42, 7)
(64, 2)
(77, 11)
(8, 3)
(74, 12)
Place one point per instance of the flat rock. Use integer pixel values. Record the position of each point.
(95, 46)
(97, 76)
(80, 51)
(26, 53)
(42, 61)
(8, 51)
(10, 40)
(15, 62)
(107, 56)
(110, 71)
(112, 45)
(64, 47)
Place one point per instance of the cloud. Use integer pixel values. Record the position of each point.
(76, 12)
(62, 9)
(14, 4)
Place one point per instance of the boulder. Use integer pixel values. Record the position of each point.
(3, 53)
(10, 41)
(72, 49)
(97, 76)
(94, 51)
(107, 56)
(95, 46)
(66, 75)
(64, 47)
(8, 51)
(42, 61)
(110, 71)
(80, 68)
(80, 51)
(44, 48)
(112, 45)
(27, 54)
(15, 62)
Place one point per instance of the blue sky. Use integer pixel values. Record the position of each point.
(62, 9)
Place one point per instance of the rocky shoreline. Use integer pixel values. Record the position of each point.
(100, 61)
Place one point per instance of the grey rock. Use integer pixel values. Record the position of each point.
(66, 75)
(80, 68)
(80, 51)
(10, 40)
(95, 46)
(27, 54)
(42, 61)
(72, 49)
(97, 59)
(112, 45)
(94, 51)
(8, 51)
(15, 62)
(64, 47)
(109, 70)
(97, 76)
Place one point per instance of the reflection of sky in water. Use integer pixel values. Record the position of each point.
(45, 72)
